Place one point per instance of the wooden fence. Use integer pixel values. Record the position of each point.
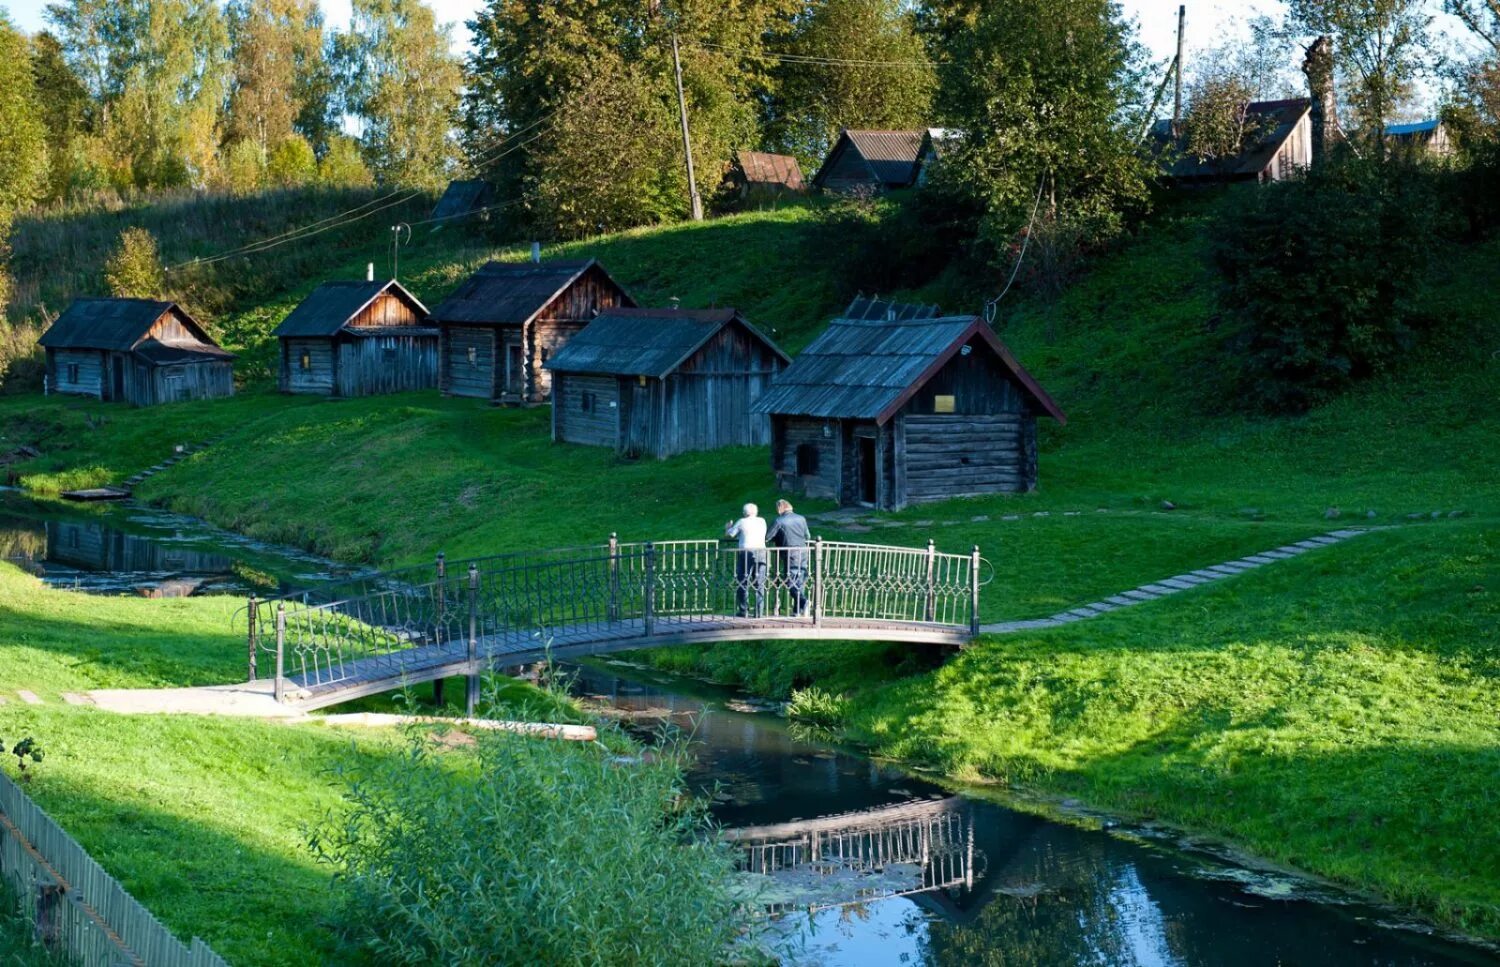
(79, 910)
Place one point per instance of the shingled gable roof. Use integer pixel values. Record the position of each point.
(891, 156)
(121, 325)
(1270, 124)
(513, 293)
(647, 342)
(462, 197)
(869, 368)
(764, 168)
(332, 305)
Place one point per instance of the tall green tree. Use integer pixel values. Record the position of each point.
(401, 80)
(156, 69)
(889, 83)
(133, 269)
(1380, 46)
(1047, 102)
(23, 145)
(279, 81)
(569, 82)
(66, 111)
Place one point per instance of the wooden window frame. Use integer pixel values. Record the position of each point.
(72, 371)
(304, 361)
(945, 403)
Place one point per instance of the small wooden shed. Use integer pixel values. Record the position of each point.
(878, 160)
(135, 351)
(358, 339)
(498, 330)
(1278, 143)
(463, 197)
(1419, 139)
(659, 382)
(760, 176)
(894, 404)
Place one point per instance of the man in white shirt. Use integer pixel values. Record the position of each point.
(750, 562)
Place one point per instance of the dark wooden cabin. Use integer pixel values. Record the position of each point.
(1277, 143)
(758, 176)
(659, 382)
(499, 328)
(878, 160)
(462, 197)
(135, 351)
(894, 405)
(358, 339)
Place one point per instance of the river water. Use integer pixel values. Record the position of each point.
(856, 862)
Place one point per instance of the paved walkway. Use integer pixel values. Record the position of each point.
(1173, 585)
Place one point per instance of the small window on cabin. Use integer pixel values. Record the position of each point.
(72, 372)
(473, 355)
(807, 460)
(388, 347)
(305, 362)
(943, 404)
(586, 402)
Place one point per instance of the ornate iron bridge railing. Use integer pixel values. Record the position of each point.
(502, 610)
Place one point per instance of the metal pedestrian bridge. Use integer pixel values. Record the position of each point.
(386, 631)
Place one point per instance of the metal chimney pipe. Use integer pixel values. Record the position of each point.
(369, 271)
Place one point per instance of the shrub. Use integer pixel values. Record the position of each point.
(817, 707)
(1322, 277)
(21, 360)
(342, 165)
(292, 163)
(528, 851)
(134, 268)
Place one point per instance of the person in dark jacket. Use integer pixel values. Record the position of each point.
(790, 531)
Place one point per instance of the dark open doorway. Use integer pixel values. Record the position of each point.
(866, 469)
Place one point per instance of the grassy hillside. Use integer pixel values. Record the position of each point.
(1337, 711)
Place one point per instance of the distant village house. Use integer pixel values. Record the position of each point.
(1278, 144)
(135, 351)
(1420, 139)
(499, 329)
(659, 382)
(461, 198)
(879, 160)
(358, 339)
(894, 404)
(760, 176)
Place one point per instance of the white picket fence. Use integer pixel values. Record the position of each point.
(78, 909)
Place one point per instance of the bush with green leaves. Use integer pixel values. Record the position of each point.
(519, 850)
(1322, 277)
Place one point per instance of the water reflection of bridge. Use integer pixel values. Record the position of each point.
(900, 850)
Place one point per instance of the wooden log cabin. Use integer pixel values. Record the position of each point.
(358, 339)
(878, 160)
(894, 405)
(498, 330)
(136, 351)
(658, 382)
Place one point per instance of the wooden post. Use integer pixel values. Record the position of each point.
(1177, 96)
(279, 688)
(614, 575)
(694, 200)
(931, 610)
(817, 567)
(650, 590)
(472, 697)
(437, 692)
(442, 591)
(252, 612)
(974, 592)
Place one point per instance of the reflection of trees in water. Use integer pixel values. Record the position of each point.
(20, 541)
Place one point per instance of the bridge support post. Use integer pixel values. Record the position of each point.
(614, 577)
(974, 592)
(437, 692)
(817, 569)
(648, 609)
(442, 592)
(931, 610)
(471, 697)
(279, 687)
(252, 613)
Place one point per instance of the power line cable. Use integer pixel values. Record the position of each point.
(992, 304)
(809, 59)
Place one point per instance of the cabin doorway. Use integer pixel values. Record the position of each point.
(515, 369)
(866, 469)
(117, 379)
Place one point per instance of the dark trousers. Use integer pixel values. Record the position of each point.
(749, 573)
(796, 582)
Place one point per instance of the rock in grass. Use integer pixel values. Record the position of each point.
(1332, 513)
(1168, 505)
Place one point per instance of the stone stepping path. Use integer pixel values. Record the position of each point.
(172, 461)
(1174, 585)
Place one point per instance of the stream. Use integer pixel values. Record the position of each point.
(854, 861)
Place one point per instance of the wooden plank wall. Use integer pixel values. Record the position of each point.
(90, 363)
(953, 455)
(318, 377)
(386, 310)
(600, 427)
(185, 381)
(460, 377)
(796, 431)
(370, 365)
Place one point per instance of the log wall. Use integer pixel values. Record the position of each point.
(395, 363)
(599, 425)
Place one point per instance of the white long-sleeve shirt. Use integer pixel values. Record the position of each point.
(751, 533)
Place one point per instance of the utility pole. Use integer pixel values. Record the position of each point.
(687, 143)
(396, 246)
(1177, 101)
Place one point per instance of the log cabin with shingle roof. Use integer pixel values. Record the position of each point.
(897, 404)
(761, 176)
(499, 328)
(658, 382)
(879, 160)
(1277, 144)
(137, 351)
(358, 339)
